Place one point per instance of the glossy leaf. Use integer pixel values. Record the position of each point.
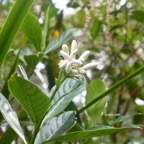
(11, 117)
(33, 30)
(57, 43)
(12, 25)
(102, 131)
(32, 99)
(33, 59)
(95, 88)
(68, 90)
(55, 127)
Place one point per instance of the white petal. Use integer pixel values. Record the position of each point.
(82, 71)
(74, 71)
(89, 66)
(84, 56)
(65, 48)
(68, 67)
(75, 61)
(73, 45)
(62, 63)
(73, 54)
(64, 54)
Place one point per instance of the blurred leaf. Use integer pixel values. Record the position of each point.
(8, 136)
(58, 42)
(12, 25)
(55, 127)
(95, 88)
(33, 30)
(122, 119)
(32, 99)
(11, 117)
(67, 91)
(45, 29)
(92, 133)
(33, 59)
(138, 15)
(73, 4)
(95, 28)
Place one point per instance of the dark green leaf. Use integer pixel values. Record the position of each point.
(32, 99)
(11, 116)
(138, 15)
(55, 127)
(11, 26)
(33, 30)
(95, 88)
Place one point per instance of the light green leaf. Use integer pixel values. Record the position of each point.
(102, 131)
(57, 43)
(32, 99)
(11, 26)
(11, 117)
(33, 30)
(55, 127)
(95, 88)
(33, 59)
(67, 91)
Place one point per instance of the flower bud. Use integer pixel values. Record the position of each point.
(65, 48)
(84, 56)
(73, 45)
(89, 66)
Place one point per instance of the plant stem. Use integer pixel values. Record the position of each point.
(123, 81)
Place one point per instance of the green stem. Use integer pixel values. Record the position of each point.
(123, 81)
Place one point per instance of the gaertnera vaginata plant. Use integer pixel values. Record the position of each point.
(73, 66)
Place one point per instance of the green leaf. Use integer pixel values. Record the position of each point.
(67, 91)
(102, 131)
(95, 88)
(32, 99)
(5, 90)
(11, 116)
(45, 29)
(33, 30)
(33, 59)
(8, 136)
(95, 28)
(122, 118)
(55, 127)
(138, 15)
(57, 43)
(11, 26)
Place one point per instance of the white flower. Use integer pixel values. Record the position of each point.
(70, 64)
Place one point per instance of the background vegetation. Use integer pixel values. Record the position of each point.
(112, 30)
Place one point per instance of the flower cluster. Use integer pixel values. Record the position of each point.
(71, 65)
